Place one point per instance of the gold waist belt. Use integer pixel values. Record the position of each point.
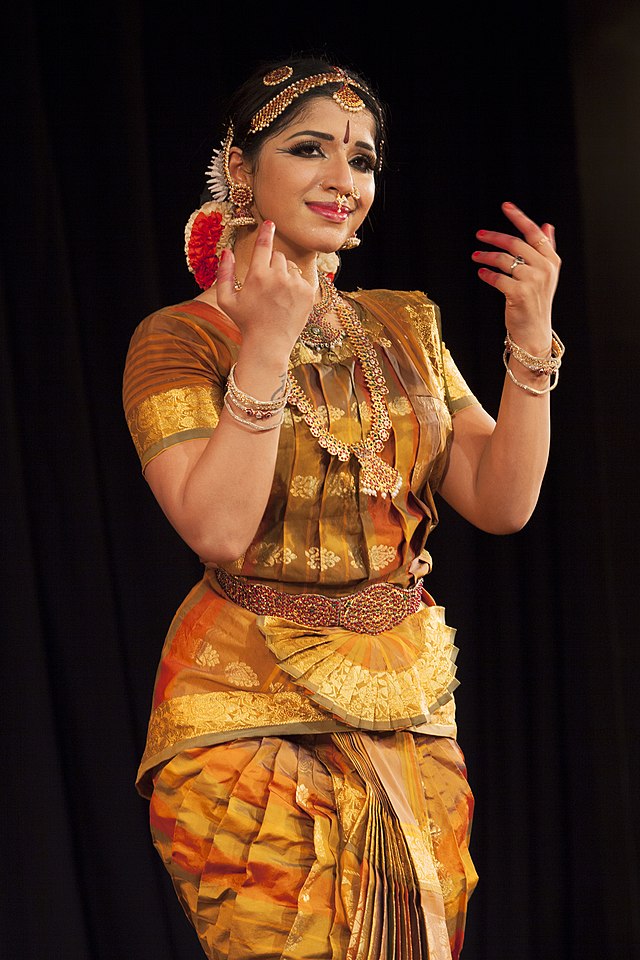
(372, 610)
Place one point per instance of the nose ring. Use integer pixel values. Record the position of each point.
(342, 199)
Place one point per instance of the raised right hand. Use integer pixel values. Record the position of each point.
(275, 300)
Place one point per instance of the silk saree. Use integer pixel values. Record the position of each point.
(307, 794)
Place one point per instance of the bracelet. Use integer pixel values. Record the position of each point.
(542, 366)
(251, 411)
(258, 427)
(260, 409)
(525, 386)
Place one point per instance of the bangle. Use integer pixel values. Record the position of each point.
(541, 366)
(247, 402)
(258, 427)
(525, 386)
(260, 409)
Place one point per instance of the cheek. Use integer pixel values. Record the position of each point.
(367, 196)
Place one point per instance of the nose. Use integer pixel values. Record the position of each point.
(339, 175)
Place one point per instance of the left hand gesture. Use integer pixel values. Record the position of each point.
(527, 275)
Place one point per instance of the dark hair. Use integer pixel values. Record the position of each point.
(254, 94)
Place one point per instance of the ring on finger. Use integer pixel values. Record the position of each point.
(294, 266)
(517, 261)
(541, 242)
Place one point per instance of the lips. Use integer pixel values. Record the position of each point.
(330, 211)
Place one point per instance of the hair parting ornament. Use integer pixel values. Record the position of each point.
(345, 96)
(212, 227)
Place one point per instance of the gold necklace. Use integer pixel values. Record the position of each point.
(376, 475)
(317, 332)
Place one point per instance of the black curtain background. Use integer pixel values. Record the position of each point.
(111, 115)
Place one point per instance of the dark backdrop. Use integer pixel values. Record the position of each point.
(112, 113)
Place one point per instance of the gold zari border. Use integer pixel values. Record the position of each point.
(192, 411)
(202, 719)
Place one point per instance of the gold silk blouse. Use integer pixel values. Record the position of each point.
(220, 674)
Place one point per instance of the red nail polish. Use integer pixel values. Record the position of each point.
(481, 233)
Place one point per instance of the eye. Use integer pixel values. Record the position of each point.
(306, 148)
(365, 162)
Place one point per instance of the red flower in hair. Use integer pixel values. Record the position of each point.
(202, 247)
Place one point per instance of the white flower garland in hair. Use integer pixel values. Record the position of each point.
(216, 180)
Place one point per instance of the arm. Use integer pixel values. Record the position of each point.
(214, 492)
(496, 468)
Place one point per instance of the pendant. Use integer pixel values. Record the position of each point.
(376, 475)
(317, 338)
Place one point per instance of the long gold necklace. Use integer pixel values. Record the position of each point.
(376, 475)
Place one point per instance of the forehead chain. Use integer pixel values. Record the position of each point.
(345, 96)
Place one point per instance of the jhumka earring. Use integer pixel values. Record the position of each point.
(351, 243)
(241, 196)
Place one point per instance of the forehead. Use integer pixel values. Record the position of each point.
(325, 115)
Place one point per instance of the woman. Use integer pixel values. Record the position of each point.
(308, 796)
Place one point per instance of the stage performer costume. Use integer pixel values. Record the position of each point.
(308, 796)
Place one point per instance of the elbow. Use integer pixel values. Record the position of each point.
(224, 548)
(508, 523)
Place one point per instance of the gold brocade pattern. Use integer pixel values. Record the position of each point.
(321, 558)
(268, 554)
(193, 409)
(424, 319)
(207, 655)
(305, 487)
(342, 484)
(191, 716)
(457, 388)
(385, 681)
(240, 674)
(381, 555)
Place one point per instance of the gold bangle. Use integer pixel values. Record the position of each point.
(542, 366)
(252, 411)
(257, 427)
(525, 386)
(251, 405)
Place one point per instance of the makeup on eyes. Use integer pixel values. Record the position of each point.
(367, 161)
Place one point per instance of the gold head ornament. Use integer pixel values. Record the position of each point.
(345, 96)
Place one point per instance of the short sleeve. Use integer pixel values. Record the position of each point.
(425, 318)
(174, 377)
(457, 392)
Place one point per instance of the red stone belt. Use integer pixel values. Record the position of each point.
(378, 607)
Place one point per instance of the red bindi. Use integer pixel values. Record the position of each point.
(346, 133)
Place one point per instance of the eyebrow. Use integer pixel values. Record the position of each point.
(329, 138)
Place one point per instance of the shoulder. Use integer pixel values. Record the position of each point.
(410, 313)
(189, 320)
(405, 306)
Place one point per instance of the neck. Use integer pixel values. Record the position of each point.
(243, 250)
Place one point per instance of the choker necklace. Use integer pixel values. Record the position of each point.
(318, 333)
(376, 475)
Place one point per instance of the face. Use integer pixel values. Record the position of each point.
(324, 153)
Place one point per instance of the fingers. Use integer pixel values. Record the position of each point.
(263, 248)
(226, 279)
(550, 233)
(542, 239)
(507, 262)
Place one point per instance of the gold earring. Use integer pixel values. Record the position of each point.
(241, 196)
(351, 243)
